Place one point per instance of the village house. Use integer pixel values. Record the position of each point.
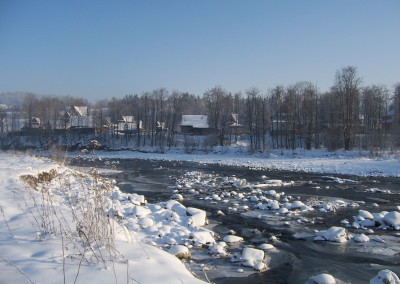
(33, 124)
(127, 125)
(161, 126)
(77, 119)
(235, 128)
(195, 125)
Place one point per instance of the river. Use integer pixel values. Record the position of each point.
(296, 257)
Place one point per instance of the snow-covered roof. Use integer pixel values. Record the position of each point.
(196, 121)
(127, 119)
(82, 111)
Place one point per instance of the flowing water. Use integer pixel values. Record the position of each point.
(297, 256)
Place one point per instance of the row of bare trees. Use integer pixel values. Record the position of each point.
(349, 115)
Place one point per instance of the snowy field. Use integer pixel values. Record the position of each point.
(62, 226)
(316, 161)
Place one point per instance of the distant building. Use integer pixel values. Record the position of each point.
(77, 117)
(33, 124)
(127, 124)
(161, 126)
(195, 125)
(235, 128)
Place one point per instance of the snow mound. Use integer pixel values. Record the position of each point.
(218, 249)
(322, 279)
(180, 252)
(393, 219)
(251, 256)
(266, 247)
(198, 216)
(333, 234)
(361, 238)
(202, 238)
(385, 277)
(365, 214)
(232, 239)
(140, 211)
(137, 199)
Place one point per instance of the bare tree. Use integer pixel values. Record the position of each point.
(373, 109)
(347, 89)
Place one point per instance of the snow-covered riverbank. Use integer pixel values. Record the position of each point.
(316, 161)
(42, 234)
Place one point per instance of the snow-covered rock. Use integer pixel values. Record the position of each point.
(137, 199)
(176, 207)
(297, 204)
(365, 214)
(177, 196)
(140, 211)
(266, 247)
(146, 222)
(393, 219)
(283, 210)
(202, 238)
(198, 217)
(322, 279)
(368, 223)
(218, 249)
(232, 239)
(180, 251)
(361, 238)
(260, 266)
(252, 256)
(333, 234)
(385, 277)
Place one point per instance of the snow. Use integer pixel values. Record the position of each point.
(197, 121)
(316, 161)
(365, 214)
(140, 227)
(266, 247)
(232, 239)
(180, 251)
(202, 238)
(393, 219)
(198, 216)
(384, 277)
(31, 242)
(333, 234)
(218, 249)
(322, 279)
(361, 238)
(252, 257)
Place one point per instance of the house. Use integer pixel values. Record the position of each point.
(78, 120)
(32, 124)
(195, 125)
(128, 125)
(77, 117)
(235, 128)
(161, 126)
(35, 122)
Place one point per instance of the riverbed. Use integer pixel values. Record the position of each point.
(296, 256)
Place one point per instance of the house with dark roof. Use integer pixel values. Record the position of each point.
(195, 125)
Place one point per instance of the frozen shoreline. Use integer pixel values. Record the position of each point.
(315, 161)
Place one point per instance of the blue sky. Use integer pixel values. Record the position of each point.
(99, 49)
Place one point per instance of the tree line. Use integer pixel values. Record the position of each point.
(285, 117)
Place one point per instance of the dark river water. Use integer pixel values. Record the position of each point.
(298, 257)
